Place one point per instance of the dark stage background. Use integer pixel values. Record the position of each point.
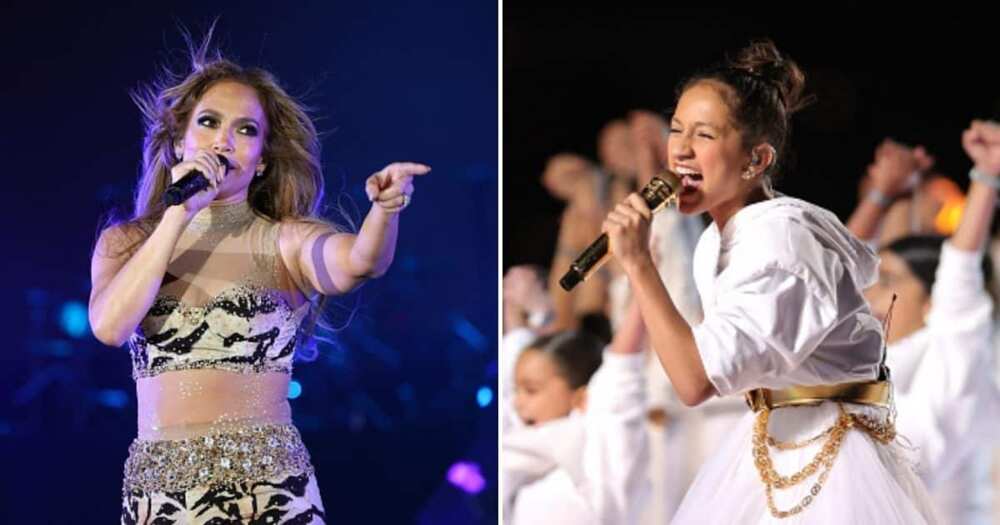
(399, 411)
(568, 71)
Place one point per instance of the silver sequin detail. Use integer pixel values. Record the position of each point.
(168, 466)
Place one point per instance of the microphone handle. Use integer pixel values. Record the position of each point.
(184, 188)
(658, 193)
(587, 263)
(189, 184)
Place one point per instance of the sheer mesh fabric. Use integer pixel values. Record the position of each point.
(215, 350)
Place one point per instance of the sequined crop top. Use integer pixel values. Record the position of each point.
(248, 326)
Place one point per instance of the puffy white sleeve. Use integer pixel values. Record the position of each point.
(615, 478)
(763, 324)
(953, 404)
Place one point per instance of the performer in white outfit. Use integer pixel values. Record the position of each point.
(785, 321)
(681, 438)
(940, 339)
(576, 452)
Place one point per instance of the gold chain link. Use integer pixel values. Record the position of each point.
(783, 445)
(883, 432)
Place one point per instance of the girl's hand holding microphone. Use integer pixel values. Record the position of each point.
(627, 227)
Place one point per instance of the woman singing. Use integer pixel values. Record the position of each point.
(214, 294)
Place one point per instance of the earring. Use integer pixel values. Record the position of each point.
(748, 174)
(260, 171)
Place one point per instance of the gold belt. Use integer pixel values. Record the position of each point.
(877, 393)
(762, 400)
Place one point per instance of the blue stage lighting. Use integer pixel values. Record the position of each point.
(112, 397)
(294, 389)
(73, 319)
(484, 396)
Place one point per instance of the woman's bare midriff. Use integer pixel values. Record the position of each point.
(187, 403)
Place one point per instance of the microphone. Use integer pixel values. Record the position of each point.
(660, 191)
(189, 184)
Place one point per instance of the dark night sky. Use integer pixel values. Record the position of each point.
(566, 72)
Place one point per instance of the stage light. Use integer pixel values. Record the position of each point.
(73, 319)
(112, 397)
(467, 476)
(294, 389)
(950, 215)
(484, 396)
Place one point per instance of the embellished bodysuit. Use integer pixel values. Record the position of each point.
(212, 360)
(248, 327)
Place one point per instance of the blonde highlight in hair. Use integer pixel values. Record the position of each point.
(292, 184)
(291, 187)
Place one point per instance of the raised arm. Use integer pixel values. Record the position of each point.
(334, 263)
(649, 132)
(578, 227)
(670, 336)
(616, 451)
(124, 284)
(982, 143)
(888, 177)
(952, 389)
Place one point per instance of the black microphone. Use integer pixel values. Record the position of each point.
(657, 194)
(191, 183)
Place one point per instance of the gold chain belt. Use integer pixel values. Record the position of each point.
(762, 400)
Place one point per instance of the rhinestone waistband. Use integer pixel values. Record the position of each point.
(213, 364)
(251, 454)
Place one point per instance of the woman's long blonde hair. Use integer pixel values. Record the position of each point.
(291, 186)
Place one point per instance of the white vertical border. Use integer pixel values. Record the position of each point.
(499, 334)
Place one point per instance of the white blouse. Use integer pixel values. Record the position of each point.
(781, 289)
(588, 468)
